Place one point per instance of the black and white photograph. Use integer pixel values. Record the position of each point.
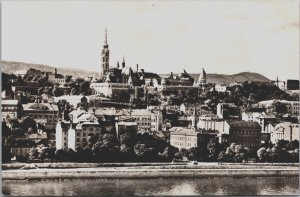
(150, 97)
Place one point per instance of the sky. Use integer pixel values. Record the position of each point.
(220, 36)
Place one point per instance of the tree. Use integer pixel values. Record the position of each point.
(84, 87)
(169, 153)
(33, 153)
(59, 155)
(29, 122)
(213, 148)
(262, 154)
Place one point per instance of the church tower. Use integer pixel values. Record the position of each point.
(105, 57)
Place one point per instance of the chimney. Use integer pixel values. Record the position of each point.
(137, 68)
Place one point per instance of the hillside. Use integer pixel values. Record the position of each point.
(11, 67)
(226, 79)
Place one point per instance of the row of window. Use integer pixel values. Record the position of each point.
(184, 138)
(245, 132)
(9, 108)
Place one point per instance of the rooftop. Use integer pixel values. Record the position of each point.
(244, 124)
(40, 107)
(10, 102)
(183, 131)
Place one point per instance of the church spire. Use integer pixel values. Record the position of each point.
(105, 40)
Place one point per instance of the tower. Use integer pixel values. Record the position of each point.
(105, 57)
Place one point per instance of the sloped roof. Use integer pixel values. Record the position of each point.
(244, 124)
(183, 131)
(40, 106)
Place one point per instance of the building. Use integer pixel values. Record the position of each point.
(220, 88)
(245, 133)
(181, 137)
(56, 78)
(188, 108)
(250, 116)
(122, 74)
(228, 111)
(73, 100)
(213, 123)
(112, 89)
(201, 80)
(293, 107)
(292, 84)
(127, 127)
(156, 121)
(47, 111)
(9, 109)
(263, 119)
(77, 132)
(285, 131)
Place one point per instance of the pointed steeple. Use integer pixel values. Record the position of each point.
(123, 63)
(105, 40)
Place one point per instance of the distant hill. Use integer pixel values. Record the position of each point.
(226, 79)
(11, 67)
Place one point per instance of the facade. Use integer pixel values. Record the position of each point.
(127, 127)
(77, 131)
(56, 78)
(285, 131)
(220, 88)
(181, 137)
(227, 110)
(145, 119)
(250, 116)
(292, 84)
(245, 133)
(9, 109)
(189, 109)
(213, 123)
(293, 107)
(111, 89)
(46, 111)
(74, 100)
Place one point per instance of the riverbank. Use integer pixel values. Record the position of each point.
(150, 171)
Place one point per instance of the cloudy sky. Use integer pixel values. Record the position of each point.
(161, 36)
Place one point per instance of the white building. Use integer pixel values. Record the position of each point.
(77, 131)
(108, 89)
(72, 99)
(184, 138)
(262, 118)
(46, 111)
(220, 88)
(285, 131)
(213, 123)
(188, 108)
(9, 109)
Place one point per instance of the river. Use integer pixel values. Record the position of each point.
(157, 187)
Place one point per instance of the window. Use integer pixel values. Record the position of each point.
(78, 139)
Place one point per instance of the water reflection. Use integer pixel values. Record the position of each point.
(157, 187)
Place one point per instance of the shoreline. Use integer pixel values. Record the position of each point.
(149, 171)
